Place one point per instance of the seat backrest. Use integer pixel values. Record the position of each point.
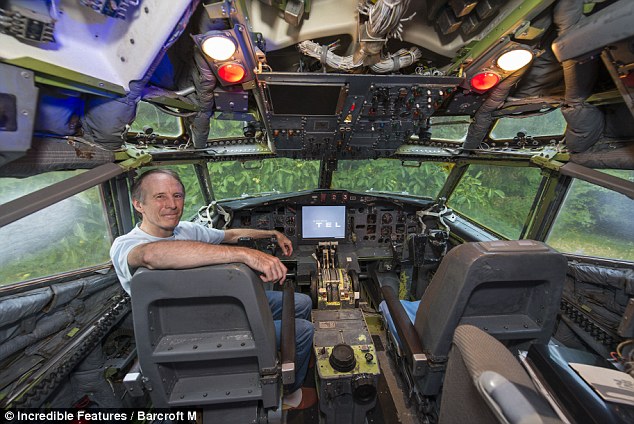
(513, 398)
(511, 289)
(205, 337)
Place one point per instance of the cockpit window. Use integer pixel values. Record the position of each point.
(497, 197)
(449, 128)
(391, 176)
(219, 129)
(594, 221)
(235, 179)
(66, 236)
(12, 188)
(548, 124)
(161, 123)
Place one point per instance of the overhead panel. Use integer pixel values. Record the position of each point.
(349, 115)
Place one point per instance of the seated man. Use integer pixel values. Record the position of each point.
(162, 241)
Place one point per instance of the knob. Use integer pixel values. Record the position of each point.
(342, 358)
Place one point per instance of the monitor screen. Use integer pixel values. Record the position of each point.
(323, 222)
(320, 100)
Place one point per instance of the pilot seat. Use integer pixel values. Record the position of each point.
(206, 339)
(486, 384)
(509, 289)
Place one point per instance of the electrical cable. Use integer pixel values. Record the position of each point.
(621, 345)
(169, 111)
(401, 59)
(185, 91)
(385, 19)
(333, 60)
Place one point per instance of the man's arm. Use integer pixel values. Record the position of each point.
(232, 236)
(180, 254)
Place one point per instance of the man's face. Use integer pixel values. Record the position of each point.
(162, 205)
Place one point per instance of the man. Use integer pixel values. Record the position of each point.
(162, 241)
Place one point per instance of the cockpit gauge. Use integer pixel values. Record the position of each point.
(387, 218)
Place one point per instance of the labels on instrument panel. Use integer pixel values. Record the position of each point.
(327, 324)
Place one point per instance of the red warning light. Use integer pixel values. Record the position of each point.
(484, 81)
(231, 72)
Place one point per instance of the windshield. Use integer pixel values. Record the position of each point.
(259, 177)
(548, 124)
(391, 176)
(450, 128)
(152, 120)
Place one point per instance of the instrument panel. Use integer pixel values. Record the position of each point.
(368, 221)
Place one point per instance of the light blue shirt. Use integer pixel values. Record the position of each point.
(123, 245)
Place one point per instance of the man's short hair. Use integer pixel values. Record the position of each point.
(137, 192)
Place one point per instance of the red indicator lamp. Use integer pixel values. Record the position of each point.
(230, 56)
(483, 81)
(231, 72)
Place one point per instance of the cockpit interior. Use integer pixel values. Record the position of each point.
(456, 178)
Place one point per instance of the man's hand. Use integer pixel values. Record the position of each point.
(284, 243)
(272, 268)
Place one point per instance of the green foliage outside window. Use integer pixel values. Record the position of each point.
(594, 221)
(497, 197)
(162, 123)
(73, 233)
(12, 188)
(548, 124)
(68, 235)
(219, 129)
(277, 175)
(452, 128)
(389, 175)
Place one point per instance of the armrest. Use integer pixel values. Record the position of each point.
(410, 341)
(287, 345)
(505, 399)
(133, 380)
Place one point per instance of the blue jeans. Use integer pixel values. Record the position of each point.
(304, 331)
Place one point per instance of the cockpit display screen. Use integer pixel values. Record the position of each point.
(323, 222)
(311, 100)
